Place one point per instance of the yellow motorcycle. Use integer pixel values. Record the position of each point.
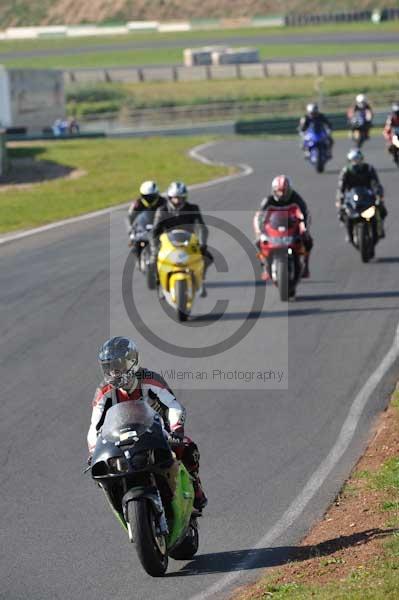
(180, 267)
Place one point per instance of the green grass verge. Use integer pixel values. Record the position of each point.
(114, 170)
(378, 580)
(106, 58)
(196, 36)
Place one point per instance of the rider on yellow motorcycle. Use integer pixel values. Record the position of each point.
(177, 213)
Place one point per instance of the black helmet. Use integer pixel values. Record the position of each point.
(149, 193)
(119, 360)
(177, 194)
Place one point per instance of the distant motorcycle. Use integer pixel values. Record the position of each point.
(360, 123)
(316, 146)
(149, 491)
(139, 239)
(281, 248)
(362, 220)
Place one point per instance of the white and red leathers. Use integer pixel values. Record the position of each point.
(152, 387)
(390, 124)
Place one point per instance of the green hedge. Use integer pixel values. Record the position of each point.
(283, 125)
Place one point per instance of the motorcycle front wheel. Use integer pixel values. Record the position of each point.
(282, 279)
(150, 546)
(181, 299)
(366, 244)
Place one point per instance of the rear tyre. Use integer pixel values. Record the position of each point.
(189, 546)
(282, 278)
(181, 299)
(151, 549)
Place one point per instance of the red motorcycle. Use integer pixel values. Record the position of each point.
(281, 248)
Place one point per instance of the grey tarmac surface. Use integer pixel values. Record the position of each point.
(212, 39)
(259, 447)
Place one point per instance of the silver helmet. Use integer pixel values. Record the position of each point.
(119, 361)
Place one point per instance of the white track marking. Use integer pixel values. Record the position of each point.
(194, 153)
(319, 476)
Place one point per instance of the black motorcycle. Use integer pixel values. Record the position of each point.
(362, 220)
(360, 124)
(139, 240)
(149, 491)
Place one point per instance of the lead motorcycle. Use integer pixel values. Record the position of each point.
(316, 146)
(281, 249)
(148, 490)
(362, 220)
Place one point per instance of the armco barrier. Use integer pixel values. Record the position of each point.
(287, 125)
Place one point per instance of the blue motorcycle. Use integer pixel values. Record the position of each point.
(317, 146)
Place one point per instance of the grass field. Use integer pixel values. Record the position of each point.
(114, 170)
(186, 37)
(107, 58)
(109, 98)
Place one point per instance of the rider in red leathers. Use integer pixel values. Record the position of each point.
(283, 195)
(125, 380)
(390, 124)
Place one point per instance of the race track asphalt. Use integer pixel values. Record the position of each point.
(60, 299)
(210, 39)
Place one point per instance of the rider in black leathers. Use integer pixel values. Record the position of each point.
(358, 173)
(178, 213)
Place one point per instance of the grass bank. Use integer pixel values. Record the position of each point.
(114, 97)
(353, 554)
(110, 173)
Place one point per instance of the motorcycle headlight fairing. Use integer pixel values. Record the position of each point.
(368, 213)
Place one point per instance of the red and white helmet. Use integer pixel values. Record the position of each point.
(281, 187)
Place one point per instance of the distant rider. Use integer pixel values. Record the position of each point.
(178, 213)
(317, 119)
(283, 195)
(358, 173)
(362, 107)
(123, 380)
(391, 124)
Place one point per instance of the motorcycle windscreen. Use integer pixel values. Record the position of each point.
(144, 220)
(179, 237)
(362, 198)
(127, 420)
(280, 220)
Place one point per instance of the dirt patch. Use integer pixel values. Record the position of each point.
(351, 533)
(25, 172)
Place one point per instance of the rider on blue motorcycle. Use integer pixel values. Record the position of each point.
(317, 119)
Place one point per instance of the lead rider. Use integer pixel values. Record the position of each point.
(123, 380)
